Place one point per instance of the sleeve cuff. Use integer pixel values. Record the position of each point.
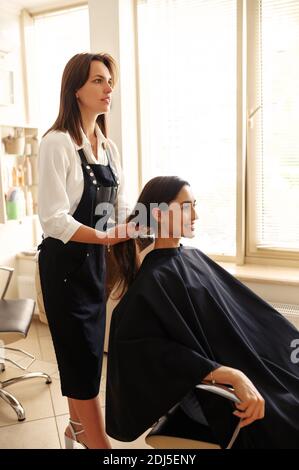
(70, 230)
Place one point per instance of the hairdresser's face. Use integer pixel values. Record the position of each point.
(95, 95)
(179, 219)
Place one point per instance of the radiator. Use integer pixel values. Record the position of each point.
(291, 312)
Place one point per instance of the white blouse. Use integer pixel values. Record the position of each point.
(61, 181)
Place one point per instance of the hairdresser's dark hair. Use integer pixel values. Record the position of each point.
(159, 190)
(75, 75)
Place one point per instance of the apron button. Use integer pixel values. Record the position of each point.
(65, 279)
(95, 182)
(88, 167)
(98, 189)
(87, 254)
(91, 174)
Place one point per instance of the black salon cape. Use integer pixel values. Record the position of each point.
(182, 317)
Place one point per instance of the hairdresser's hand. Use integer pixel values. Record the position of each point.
(252, 406)
(120, 233)
(137, 230)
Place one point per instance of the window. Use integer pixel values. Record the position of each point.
(187, 60)
(191, 90)
(58, 36)
(273, 131)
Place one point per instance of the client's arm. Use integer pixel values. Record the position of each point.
(252, 406)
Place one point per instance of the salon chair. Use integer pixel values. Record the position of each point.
(15, 319)
(177, 430)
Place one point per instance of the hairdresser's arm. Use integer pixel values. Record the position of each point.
(118, 234)
(252, 406)
(54, 205)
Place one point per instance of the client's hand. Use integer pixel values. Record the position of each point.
(252, 406)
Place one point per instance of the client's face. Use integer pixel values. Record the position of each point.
(179, 220)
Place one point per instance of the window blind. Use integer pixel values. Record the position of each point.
(277, 132)
(187, 82)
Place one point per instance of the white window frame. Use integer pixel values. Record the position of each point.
(255, 254)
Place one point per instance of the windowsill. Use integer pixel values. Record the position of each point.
(27, 255)
(263, 274)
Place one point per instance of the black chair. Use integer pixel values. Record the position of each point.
(177, 429)
(15, 319)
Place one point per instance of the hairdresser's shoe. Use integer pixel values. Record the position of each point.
(71, 442)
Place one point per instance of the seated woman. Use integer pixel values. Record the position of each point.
(184, 320)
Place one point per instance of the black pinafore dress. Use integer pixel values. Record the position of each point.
(73, 285)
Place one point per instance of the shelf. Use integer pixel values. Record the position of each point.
(19, 126)
(13, 167)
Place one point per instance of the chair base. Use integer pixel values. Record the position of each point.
(6, 348)
(14, 403)
(11, 400)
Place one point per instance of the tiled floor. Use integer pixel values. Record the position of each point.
(46, 409)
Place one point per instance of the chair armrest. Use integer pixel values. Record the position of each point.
(225, 392)
(222, 390)
(161, 428)
(10, 271)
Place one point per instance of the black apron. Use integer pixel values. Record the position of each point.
(73, 286)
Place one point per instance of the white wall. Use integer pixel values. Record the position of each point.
(275, 292)
(10, 40)
(15, 236)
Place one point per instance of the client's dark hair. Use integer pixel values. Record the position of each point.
(158, 190)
